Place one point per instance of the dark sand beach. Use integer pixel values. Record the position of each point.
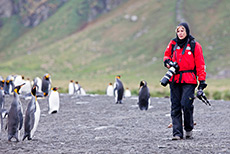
(95, 124)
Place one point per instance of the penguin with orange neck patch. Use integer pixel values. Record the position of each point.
(71, 87)
(15, 116)
(118, 90)
(109, 90)
(2, 81)
(9, 85)
(46, 84)
(54, 101)
(32, 116)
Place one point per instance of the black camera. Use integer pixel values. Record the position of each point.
(172, 70)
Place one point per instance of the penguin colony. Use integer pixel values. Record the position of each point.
(21, 88)
(41, 88)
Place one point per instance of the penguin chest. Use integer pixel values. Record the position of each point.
(127, 93)
(110, 91)
(54, 102)
(71, 88)
(37, 113)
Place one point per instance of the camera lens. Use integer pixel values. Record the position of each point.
(165, 80)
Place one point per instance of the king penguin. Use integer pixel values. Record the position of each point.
(2, 102)
(71, 87)
(32, 116)
(109, 90)
(38, 82)
(46, 84)
(127, 93)
(53, 101)
(9, 85)
(4, 112)
(15, 116)
(1, 81)
(118, 90)
(143, 96)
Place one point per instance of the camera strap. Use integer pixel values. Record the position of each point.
(175, 46)
(185, 46)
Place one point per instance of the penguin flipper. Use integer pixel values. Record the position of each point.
(29, 122)
(20, 120)
(32, 120)
(6, 124)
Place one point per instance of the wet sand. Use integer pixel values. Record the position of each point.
(95, 124)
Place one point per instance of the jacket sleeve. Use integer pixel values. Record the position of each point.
(199, 62)
(168, 52)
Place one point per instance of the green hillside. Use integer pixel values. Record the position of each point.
(93, 54)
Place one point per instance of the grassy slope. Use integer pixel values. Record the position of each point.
(9, 32)
(210, 23)
(209, 20)
(61, 24)
(112, 44)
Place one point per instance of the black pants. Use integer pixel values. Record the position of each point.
(182, 96)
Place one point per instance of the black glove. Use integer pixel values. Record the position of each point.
(202, 85)
(169, 62)
(166, 62)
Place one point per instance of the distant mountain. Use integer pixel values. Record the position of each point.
(93, 40)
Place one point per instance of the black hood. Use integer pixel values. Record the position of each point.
(180, 42)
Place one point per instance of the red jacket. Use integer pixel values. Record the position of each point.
(192, 65)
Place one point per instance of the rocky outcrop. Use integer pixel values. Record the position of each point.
(33, 12)
(179, 11)
(98, 7)
(6, 8)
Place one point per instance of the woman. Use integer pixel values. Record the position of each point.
(188, 55)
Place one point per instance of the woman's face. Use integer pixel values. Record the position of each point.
(181, 32)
